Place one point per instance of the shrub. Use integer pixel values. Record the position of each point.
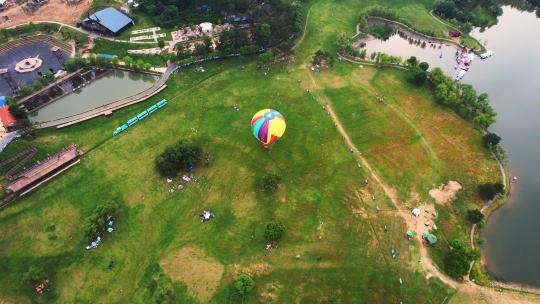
(270, 183)
(475, 216)
(488, 191)
(243, 284)
(274, 231)
(177, 157)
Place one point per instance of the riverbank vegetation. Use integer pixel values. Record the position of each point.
(463, 99)
(469, 13)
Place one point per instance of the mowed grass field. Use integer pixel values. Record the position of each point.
(345, 253)
(161, 251)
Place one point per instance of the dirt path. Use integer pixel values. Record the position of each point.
(305, 30)
(391, 193)
(468, 292)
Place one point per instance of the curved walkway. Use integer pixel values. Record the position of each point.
(109, 108)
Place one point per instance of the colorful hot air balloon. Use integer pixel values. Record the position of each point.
(268, 126)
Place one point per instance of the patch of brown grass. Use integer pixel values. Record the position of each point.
(199, 272)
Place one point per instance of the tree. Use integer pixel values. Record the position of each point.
(96, 222)
(200, 50)
(475, 216)
(424, 66)
(128, 61)
(180, 156)
(161, 43)
(270, 183)
(274, 231)
(491, 140)
(488, 191)
(243, 284)
(412, 61)
(207, 44)
(419, 76)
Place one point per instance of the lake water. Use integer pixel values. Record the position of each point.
(109, 88)
(512, 80)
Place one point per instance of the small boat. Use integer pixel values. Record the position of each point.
(486, 55)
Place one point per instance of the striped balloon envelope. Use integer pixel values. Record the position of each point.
(268, 126)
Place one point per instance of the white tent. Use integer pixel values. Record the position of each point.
(416, 212)
(206, 27)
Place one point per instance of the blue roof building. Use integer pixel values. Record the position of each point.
(109, 21)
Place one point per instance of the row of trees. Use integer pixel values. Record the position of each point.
(463, 11)
(463, 99)
(43, 80)
(76, 63)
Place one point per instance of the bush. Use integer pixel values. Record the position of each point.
(270, 183)
(491, 140)
(243, 284)
(177, 157)
(475, 216)
(488, 191)
(274, 231)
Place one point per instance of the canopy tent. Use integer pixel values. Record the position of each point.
(416, 212)
(425, 234)
(432, 239)
(409, 233)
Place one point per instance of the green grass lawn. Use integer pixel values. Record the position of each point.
(331, 219)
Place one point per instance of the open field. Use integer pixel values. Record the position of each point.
(318, 200)
(334, 222)
(54, 10)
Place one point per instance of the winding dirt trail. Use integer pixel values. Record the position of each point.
(468, 292)
(391, 193)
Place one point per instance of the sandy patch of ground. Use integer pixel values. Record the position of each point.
(253, 270)
(473, 294)
(269, 292)
(190, 265)
(445, 193)
(54, 10)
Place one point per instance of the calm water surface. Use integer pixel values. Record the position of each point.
(110, 88)
(512, 79)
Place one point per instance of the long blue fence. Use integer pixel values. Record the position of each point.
(140, 116)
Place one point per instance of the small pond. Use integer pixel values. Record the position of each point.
(111, 87)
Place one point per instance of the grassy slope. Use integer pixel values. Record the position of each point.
(320, 179)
